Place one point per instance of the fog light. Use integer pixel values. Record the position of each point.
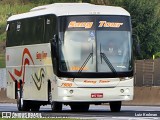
(122, 91)
(65, 98)
(127, 90)
(126, 97)
(71, 91)
(65, 91)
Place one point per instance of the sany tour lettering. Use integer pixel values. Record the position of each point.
(74, 24)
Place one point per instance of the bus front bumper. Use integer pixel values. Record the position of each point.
(94, 94)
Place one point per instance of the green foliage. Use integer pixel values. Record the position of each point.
(51, 1)
(101, 2)
(2, 31)
(157, 55)
(146, 24)
(145, 16)
(7, 10)
(2, 60)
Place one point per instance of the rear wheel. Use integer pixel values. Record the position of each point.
(22, 105)
(115, 106)
(49, 93)
(79, 107)
(56, 106)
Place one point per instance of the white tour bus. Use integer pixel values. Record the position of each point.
(74, 54)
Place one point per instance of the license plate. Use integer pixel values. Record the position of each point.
(97, 95)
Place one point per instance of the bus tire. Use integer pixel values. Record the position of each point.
(79, 107)
(49, 93)
(22, 105)
(56, 106)
(115, 106)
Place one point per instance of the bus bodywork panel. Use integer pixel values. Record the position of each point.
(94, 90)
(33, 66)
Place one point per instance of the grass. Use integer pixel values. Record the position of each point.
(38, 118)
(2, 60)
(7, 10)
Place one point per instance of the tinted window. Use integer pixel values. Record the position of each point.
(28, 31)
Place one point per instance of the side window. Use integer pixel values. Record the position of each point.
(18, 34)
(50, 27)
(29, 31)
(33, 31)
(39, 30)
(8, 30)
(25, 32)
(11, 34)
(33, 35)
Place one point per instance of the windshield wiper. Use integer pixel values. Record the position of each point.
(103, 55)
(86, 61)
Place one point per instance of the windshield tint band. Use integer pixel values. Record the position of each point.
(74, 23)
(111, 23)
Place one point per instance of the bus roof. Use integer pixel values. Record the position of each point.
(63, 9)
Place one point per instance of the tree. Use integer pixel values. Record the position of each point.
(157, 55)
(145, 16)
(145, 22)
(86, 1)
(51, 1)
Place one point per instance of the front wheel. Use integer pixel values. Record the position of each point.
(49, 95)
(56, 106)
(115, 106)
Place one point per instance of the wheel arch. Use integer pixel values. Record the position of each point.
(49, 85)
(48, 90)
(16, 88)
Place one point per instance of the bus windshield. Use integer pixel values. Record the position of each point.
(95, 44)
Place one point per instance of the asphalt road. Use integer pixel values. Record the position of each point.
(100, 112)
